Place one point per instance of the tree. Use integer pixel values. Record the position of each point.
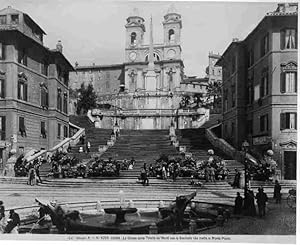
(214, 91)
(87, 98)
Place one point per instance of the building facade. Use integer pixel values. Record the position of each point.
(265, 95)
(146, 90)
(34, 87)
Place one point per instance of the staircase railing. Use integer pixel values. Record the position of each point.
(225, 146)
(61, 145)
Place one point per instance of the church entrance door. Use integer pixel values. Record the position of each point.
(147, 123)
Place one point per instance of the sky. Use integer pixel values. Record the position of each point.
(93, 31)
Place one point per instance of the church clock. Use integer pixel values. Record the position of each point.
(132, 56)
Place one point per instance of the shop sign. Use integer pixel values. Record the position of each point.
(262, 140)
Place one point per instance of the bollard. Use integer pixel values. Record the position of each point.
(192, 227)
(220, 220)
(153, 229)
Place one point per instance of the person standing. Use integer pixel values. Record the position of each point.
(236, 182)
(277, 190)
(261, 199)
(37, 172)
(238, 204)
(2, 210)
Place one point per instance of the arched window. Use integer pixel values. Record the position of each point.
(133, 38)
(171, 35)
(156, 57)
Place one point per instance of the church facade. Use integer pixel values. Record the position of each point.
(145, 92)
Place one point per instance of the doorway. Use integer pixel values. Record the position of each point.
(289, 165)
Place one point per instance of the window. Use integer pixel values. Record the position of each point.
(44, 97)
(264, 84)
(22, 90)
(58, 130)
(22, 128)
(288, 120)
(171, 35)
(22, 57)
(59, 100)
(14, 19)
(233, 64)
(232, 129)
(2, 88)
(133, 38)
(2, 127)
(65, 109)
(288, 39)
(2, 51)
(59, 73)
(43, 130)
(44, 68)
(2, 19)
(66, 78)
(233, 96)
(288, 82)
(264, 123)
(264, 45)
(65, 132)
(250, 57)
(250, 91)
(250, 127)
(225, 100)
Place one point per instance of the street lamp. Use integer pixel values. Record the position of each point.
(245, 147)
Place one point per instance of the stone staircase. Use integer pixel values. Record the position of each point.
(96, 136)
(143, 145)
(197, 143)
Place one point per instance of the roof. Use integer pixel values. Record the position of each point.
(10, 10)
(231, 45)
(194, 80)
(60, 55)
(97, 67)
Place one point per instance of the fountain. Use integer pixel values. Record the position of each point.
(128, 220)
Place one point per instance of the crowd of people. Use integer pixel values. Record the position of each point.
(264, 170)
(31, 169)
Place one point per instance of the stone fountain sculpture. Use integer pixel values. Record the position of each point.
(71, 222)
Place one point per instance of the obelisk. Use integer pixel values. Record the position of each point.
(150, 77)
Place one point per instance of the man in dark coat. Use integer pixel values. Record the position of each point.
(236, 182)
(277, 194)
(14, 221)
(238, 204)
(2, 210)
(261, 199)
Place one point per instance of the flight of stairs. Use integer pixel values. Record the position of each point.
(143, 145)
(196, 143)
(96, 136)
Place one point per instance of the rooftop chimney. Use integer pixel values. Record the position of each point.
(235, 39)
(59, 46)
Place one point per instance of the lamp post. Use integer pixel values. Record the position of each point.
(245, 147)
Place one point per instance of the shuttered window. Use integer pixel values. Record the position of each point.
(43, 130)
(288, 120)
(288, 82)
(2, 88)
(264, 123)
(22, 128)
(2, 127)
(22, 90)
